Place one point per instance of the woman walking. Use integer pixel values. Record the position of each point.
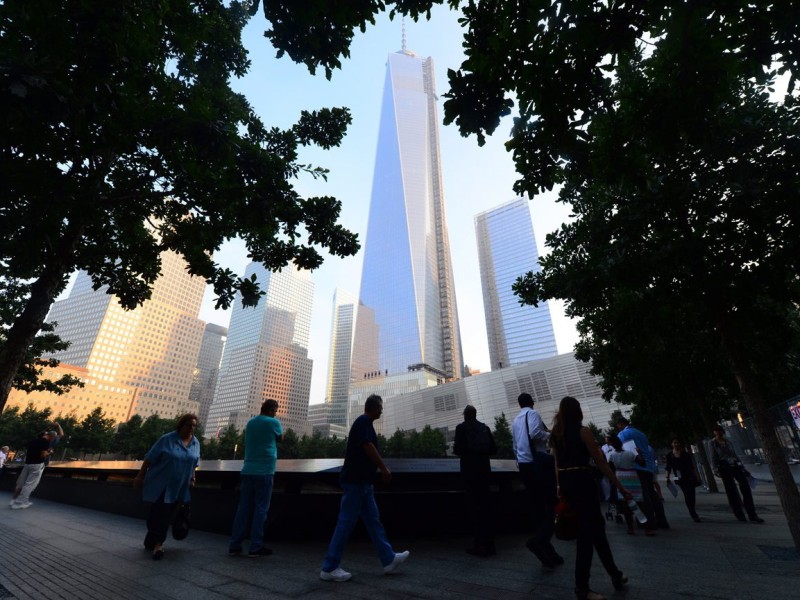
(573, 446)
(166, 475)
(681, 465)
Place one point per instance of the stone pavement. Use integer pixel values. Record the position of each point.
(54, 551)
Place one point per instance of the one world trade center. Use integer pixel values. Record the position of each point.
(407, 279)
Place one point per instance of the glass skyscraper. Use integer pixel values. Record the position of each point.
(266, 353)
(407, 279)
(507, 250)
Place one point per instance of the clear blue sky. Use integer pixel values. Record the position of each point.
(475, 179)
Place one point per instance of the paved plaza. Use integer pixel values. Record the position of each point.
(53, 550)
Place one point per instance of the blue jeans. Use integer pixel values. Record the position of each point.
(254, 498)
(358, 500)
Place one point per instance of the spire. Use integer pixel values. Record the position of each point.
(403, 48)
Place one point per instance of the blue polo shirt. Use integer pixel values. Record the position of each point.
(643, 445)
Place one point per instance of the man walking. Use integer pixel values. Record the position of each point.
(360, 461)
(474, 443)
(537, 468)
(636, 441)
(261, 435)
(728, 466)
(36, 455)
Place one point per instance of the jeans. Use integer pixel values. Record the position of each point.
(358, 500)
(254, 499)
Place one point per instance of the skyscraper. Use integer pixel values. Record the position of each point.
(339, 362)
(204, 380)
(266, 353)
(150, 351)
(507, 250)
(407, 278)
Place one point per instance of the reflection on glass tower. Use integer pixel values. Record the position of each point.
(407, 278)
(507, 250)
(266, 353)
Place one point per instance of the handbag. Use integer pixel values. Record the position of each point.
(181, 521)
(566, 522)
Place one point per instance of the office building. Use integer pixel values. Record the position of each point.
(345, 306)
(204, 379)
(266, 353)
(506, 251)
(152, 349)
(407, 279)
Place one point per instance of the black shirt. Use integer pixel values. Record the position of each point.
(358, 468)
(474, 443)
(33, 455)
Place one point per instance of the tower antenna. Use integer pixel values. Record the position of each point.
(403, 44)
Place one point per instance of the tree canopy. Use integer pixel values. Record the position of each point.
(120, 138)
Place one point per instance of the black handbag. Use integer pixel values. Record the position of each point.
(566, 522)
(181, 521)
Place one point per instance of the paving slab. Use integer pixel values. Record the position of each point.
(54, 550)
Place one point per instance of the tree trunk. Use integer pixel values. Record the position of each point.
(712, 481)
(43, 291)
(758, 407)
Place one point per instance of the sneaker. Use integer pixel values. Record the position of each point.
(756, 519)
(18, 505)
(13, 502)
(396, 561)
(263, 551)
(338, 574)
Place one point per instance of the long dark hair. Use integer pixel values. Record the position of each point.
(569, 414)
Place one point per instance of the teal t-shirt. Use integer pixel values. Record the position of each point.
(260, 448)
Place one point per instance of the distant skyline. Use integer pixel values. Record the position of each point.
(475, 178)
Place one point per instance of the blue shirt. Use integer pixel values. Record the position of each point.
(637, 437)
(260, 445)
(358, 467)
(171, 468)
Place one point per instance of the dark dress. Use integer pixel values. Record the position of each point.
(578, 487)
(683, 469)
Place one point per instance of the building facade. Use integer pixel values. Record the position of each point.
(495, 393)
(152, 349)
(204, 379)
(506, 251)
(345, 307)
(79, 401)
(407, 279)
(266, 353)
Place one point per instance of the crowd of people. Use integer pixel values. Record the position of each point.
(564, 463)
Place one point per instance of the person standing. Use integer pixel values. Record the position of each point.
(573, 446)
(3, 458)
(474, 444)
(261, 435)
(361, 459)
(535, 464)
(636, 441)
(166, 476)
(681, 465)
(36, 455)
(728, 466)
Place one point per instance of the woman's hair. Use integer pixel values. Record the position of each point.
(569, 413)
(616, 443)
(183, 420)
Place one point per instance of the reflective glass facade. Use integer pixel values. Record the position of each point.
(507, 250)
(407, 279)
(266, 353)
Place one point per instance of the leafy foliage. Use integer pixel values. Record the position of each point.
(95, 433)
(503, 438)
(120, 138)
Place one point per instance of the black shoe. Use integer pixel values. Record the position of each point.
(742, 518)
(158, 554)
(234, 551)
(481, 551)
(619, 582)
(588, 595)
(263, 551)
(540, 552)
(697, 519)
(756, 519)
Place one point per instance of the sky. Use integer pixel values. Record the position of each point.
(475, 178)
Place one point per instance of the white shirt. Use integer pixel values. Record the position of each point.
(2, 458)
(519, 432)
(607, 450)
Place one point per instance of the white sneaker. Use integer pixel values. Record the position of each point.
(396, 562)
(24, 505)
(338, 574)
(13, 502)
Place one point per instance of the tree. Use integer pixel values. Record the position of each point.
(396, 446)
(121, 139)
(502, 438)
(289, 447)
(231, 443)
(18, 428)
(127, 439)
(428, 443)
(94, 434)
(152, 429)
